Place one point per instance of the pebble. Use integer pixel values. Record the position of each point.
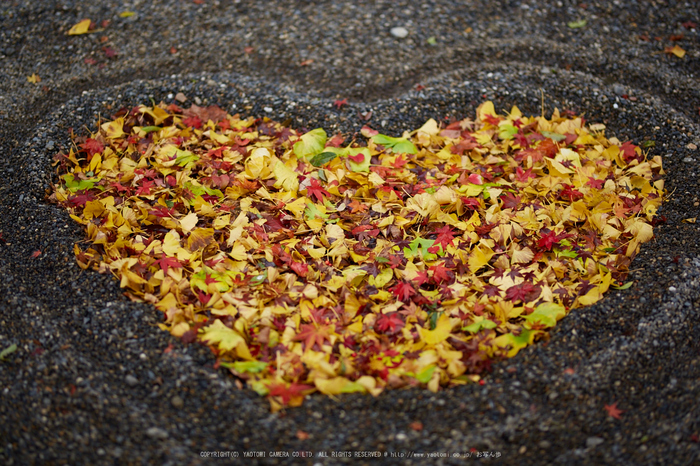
(399, 32)
(619, 89)
(592, 442)
(131, 380)
(177, 402)
(157, 433)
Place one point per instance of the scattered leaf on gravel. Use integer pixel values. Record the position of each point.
(613, 411)
(577, 24)
(309, 265)
(33, 78)
(82, 27)
(7, 351)
(675, 50)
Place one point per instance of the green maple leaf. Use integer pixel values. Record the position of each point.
(423, 244)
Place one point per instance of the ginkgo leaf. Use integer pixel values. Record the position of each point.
(82, 27)
(440, 333)
(310, 144)
(188, 222)
(286, 177)
(547, 314)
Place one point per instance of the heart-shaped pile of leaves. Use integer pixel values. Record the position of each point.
(310, 263)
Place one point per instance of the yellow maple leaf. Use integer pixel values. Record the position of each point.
(33, 78)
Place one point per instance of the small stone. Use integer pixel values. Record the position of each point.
(180, 97)
(399, 32)
(688, 159)
(131, 380)
(592, 442)
(198, 101)
(177, 402)
(672, 289)
(544, 444)
(401, 437)
(692, 146)
(619, 89)
(157, 433)
(268, 109)
(545, 70)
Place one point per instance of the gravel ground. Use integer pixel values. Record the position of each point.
(93, 380)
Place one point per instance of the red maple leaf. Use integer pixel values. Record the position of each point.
(92, 147)
(525, 292)
(357, 206)
(549, 239)
(596, 184)
(441, 274)
(494, 120)
(311, 334)
(421, 277)
(110, 52)
(510, 200)
(395, 261)
(339, 103)
(403, 291)
(613, 411)
(389, 323)
(36, 254)
(570, 193)
(294, 390)
(399, 162)
(445, 237)
(162, 211)
(316, 190)
(524, 175)
(80, 199)
(629, 153)
(145, 188)
(193, 121)
(166, 262)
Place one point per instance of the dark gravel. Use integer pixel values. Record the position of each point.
(93, 380)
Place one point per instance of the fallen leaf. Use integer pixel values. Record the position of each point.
(82, 27)
(36, 254)
(613, 411)
(33, 78)
(675, 50)
(416, 425)
(577, 24)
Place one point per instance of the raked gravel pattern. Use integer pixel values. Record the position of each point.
(94, 381)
